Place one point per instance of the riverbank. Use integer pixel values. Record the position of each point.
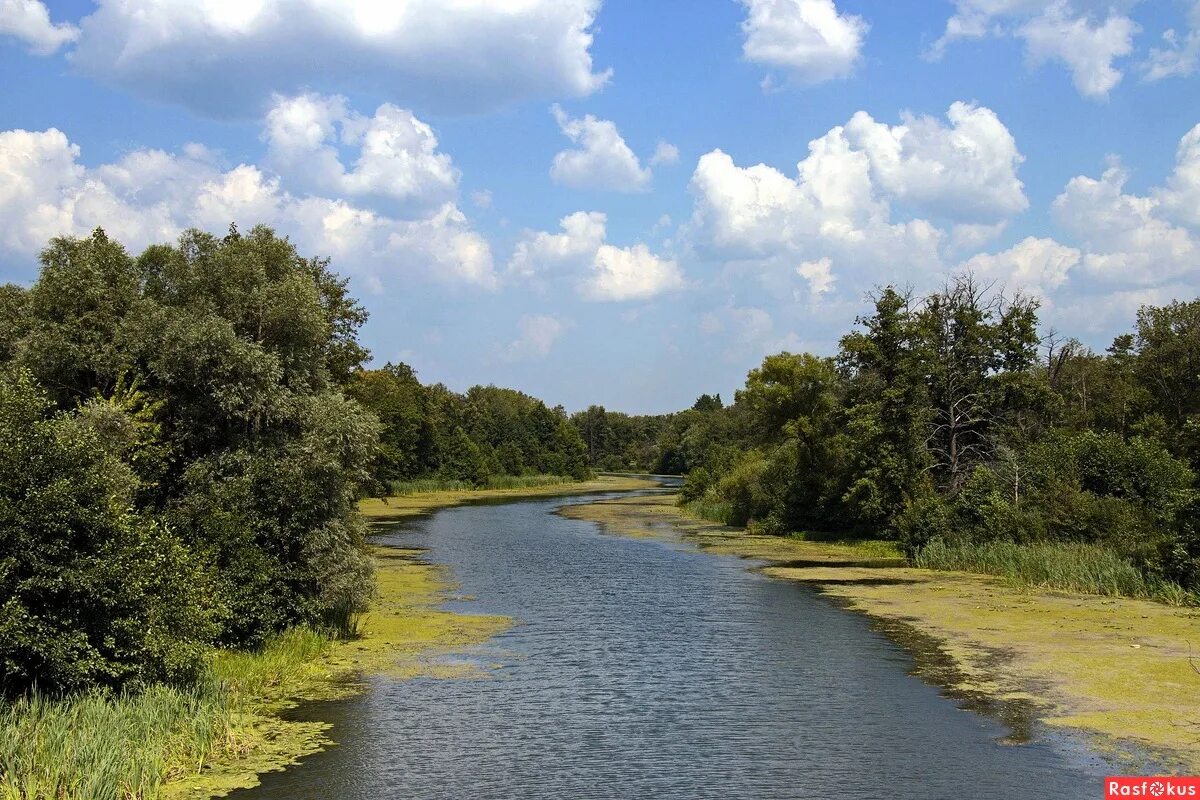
(1118, 670)
(405, 635)
(222, 735)
(398, 507)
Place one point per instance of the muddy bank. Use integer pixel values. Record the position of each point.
(1117, 669)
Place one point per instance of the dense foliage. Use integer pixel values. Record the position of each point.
(180, 464)
(432, 432)
(949, 422)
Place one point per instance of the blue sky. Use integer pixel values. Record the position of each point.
(627, 203)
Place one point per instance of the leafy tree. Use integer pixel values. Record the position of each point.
(96, 593)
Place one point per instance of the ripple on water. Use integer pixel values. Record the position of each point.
(642, 669)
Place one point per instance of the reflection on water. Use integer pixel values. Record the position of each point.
(642, 669)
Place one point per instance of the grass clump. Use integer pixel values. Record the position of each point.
(105, 746)
(1076, 567)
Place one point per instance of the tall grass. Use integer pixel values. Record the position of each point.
(708, 508)
(1083, 568)
(424, 485)
(103, 747)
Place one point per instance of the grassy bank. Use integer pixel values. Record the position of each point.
(220, 735)
(1116, 668)
(1082, 568)
(98, 746)
(415, 504)
(426, 485)
(1069, 566)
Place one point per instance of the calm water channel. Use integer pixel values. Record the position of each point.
(646, 669)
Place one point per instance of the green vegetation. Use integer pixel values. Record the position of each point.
(488, 437)
(99, 745)
(1084, 568)
(950, 425)
(424, 485)
(185, 436)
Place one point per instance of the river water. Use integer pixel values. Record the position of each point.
(646, 669)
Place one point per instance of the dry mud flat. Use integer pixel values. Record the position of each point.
(1119, 670)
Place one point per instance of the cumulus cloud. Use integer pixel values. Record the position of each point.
(227, 58)
(810, 41)
(397, 159)
(606, 272)
(1180, 198)
(1087, 49)
(601, 160)
(29, 21)
(1113, 249)
(150, 196)
(1125, 236)
(1037, 266)
(1086, 36)
(966, 170)
(836, 215)
(537, 335)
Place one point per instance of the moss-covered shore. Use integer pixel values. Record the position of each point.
(402, 636)
(1119, 670)
(399, 507)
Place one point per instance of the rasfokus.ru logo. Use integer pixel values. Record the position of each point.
(1158, 786)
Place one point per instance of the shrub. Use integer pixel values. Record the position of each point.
(95, 593)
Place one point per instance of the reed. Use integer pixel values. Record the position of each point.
(1076, 567)
(100, 746)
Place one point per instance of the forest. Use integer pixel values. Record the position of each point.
(954, 424)
(184, 437)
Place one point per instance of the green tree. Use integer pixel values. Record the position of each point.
(96, 593)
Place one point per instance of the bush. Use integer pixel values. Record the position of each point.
(744, 490)
(95, 593)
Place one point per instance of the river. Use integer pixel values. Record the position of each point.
(641, 668)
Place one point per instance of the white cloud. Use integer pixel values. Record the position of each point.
(1037, 266)
(974, 19)
(819, 275)
(29, 21)
(1087, 49)
(1179, 55)
(583, 233)
(397, 159)
(967, 170)
(227, 58)
(482, 198)
(607, 272)
(150, 196)
(1125, 238)
(1180, 198)
(1121, 249)
(809, 40)
(1087, 36)
(630, 273)
(838, 207)
(602, 159)
(538, 333)
(969, 237)
(665, 153)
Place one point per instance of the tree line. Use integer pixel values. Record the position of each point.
(184, 436)
(432, 432)
(951, 418)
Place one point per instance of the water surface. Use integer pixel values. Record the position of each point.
(646, 669)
